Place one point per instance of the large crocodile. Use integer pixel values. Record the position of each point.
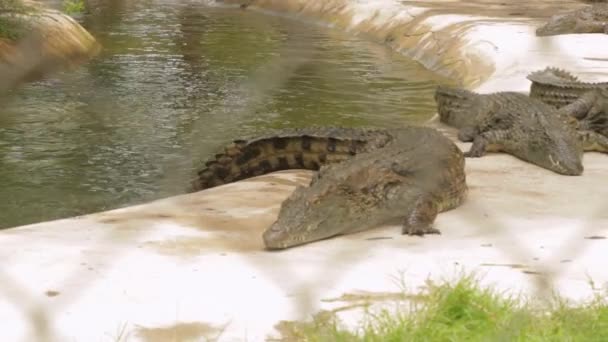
(519, 125)
(559, 87)
(366, 177)
(586, 101)
(590, 19)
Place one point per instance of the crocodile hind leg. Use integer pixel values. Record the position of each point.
(490, 140)
(593, 141)
(420, 220)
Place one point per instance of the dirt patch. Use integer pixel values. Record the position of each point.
(499, 8)
(51, 293)
(326, 319)
(231, 217)
(515, 266)
(595, 237)
(238, 234)
(191, 331)
(371, 297)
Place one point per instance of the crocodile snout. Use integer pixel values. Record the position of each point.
(575, 169)
(567, 167)
(275, 237)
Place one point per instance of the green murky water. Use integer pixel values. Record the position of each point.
(174, 82)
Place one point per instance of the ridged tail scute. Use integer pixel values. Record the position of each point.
(456, 107)
(289, 149)
(552, 75)
(558, 87)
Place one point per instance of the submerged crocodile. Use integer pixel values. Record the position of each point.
(519, 125)
(559, 87)
(590, 19)
(366, 177)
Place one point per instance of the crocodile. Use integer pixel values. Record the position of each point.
(559, 87)
(514, 123)
(585, 101)
(366, 177)
(590, 19)
(591, 111)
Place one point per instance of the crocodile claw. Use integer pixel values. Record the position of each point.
(419, 230)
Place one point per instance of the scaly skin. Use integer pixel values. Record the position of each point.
(591, 111)
(591, 19)
(516, 124)
(307, 148)
(585, 101)
(559, 87)
(366, 177)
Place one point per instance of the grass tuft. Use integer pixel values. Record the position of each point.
(73, 7)
(465, 311)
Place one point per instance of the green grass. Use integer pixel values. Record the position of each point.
(11, 27)
(73, 6)
(464, 311)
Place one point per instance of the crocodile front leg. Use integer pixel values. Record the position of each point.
(482, 143)
(587, 105)
(582, 106)
(467, 134)
(419, 221)
(593, 141)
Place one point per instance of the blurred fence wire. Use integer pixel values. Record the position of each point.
(267, 79)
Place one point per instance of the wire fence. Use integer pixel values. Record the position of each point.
(39, 315)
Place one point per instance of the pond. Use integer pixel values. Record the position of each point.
(174, 82)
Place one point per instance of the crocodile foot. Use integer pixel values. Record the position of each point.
(488, 141)
(593, 141)
(478, 148)
(420, 230)
(419, 221)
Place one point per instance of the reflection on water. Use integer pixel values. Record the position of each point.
(174, 82)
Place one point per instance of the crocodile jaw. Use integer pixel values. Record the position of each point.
(308, 215)
(572, 168)
(558, 155)
(279, 237)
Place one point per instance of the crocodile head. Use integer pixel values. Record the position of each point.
(558, 150)
(342, 198)
(590, 19)
(559, 24)
(308, 215)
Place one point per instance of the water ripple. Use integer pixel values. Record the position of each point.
(174, 81)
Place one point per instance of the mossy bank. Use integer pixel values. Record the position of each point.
(35, 40)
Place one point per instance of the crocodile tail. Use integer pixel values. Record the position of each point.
(456, 106)
(289, 149)
(552, 75)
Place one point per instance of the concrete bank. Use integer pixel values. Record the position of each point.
(193, 266)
